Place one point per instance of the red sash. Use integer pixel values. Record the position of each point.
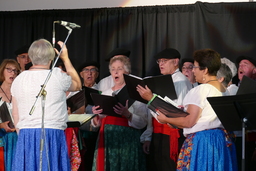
(173, 134)
(111, 120)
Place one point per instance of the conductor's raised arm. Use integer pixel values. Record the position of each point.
(76, 82)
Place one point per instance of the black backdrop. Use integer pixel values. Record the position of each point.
(229, 28)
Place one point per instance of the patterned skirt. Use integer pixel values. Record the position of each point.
(208, 150)
(54, 153)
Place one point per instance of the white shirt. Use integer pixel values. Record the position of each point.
(232, 89)
(26, 87)
(106, 83)
(208, 118)
(182, 86)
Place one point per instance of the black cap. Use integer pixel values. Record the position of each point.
(187, 60)
(240, 58)
(21, 50)
(168, 53)
(89, 63)
(118, 51)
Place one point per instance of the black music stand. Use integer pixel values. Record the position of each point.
(236, 113)
(247, 86)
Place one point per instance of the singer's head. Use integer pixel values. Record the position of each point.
(41, 52)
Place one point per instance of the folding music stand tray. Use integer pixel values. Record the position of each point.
(236, 113)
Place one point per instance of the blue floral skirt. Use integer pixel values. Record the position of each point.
(27, 155)
(208, 150)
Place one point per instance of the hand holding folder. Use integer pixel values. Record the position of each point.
(88, 91)
(5, 115)
(161, 85)
(108, 102)
(82, 98)
(76, 101)
(167, 107)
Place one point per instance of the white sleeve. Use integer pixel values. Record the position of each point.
(181, 89)
(139, 115)
(147, 134)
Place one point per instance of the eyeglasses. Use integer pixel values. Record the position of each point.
(93, 70)
(116, 69)
(23, 56)
(196, 67)
(190, 67)
(9, 70)
(159, 61)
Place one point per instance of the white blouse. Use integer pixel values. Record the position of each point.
(208, 118)
(25, 89)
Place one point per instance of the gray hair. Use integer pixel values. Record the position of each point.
(230, 64)
(41, 52)
(125, 60)
(224, 72)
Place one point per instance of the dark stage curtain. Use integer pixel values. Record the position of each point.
(228, 28)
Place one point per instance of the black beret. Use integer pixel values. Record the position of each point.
(240, 58)
(118, 51)
(21, 50)
(187, 60)
(168, 53)
(89, 63)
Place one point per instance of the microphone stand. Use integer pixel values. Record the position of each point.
(42, 93)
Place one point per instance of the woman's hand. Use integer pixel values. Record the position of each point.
(97, 119)
(122, 110)
(96, 110)
(181, 107)
(161, 117)
(69, 111)
(64, 52)
(145, 93)
(5, 126)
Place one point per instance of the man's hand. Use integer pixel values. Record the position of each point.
(146, 147)
(145, 93)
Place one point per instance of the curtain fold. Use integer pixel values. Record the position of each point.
(228, 28)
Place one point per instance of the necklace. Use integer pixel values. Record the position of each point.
(10, 100)
(211, 80)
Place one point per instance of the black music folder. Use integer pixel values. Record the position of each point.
(231, 110)
(161, 85)
(88, 91)
(108, 102)
(167, 107)
(76, 101)
(5, 115)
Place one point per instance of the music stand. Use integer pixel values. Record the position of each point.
(236, 113)
(247, 86)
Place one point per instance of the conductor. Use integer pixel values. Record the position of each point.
(24, 90)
